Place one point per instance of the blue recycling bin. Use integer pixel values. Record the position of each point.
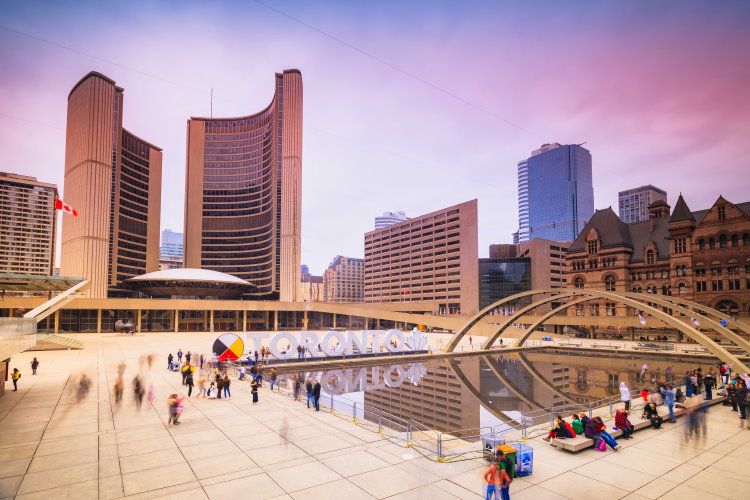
(524, 459)
(547, 338)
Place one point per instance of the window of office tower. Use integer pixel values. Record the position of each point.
(238, 198)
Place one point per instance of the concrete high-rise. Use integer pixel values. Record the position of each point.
(27, 225)
(433, 257)
(243, 193)
(113, 180)
(634, 203)
(389, 218)
(555, 193)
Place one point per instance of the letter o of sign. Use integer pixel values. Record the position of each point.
(401, 340)
(274, 345)
(400, 375)
(326, 343)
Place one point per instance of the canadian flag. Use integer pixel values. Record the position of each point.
(61, 205)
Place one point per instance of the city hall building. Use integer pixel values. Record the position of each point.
(703, 256)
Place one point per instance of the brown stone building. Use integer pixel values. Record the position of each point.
(113, 180)
(702, 256)
(243, 193)
(430, 258)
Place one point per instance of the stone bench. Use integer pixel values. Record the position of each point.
(579, 443)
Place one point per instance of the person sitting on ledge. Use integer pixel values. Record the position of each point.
(561, 430)
(591, 431)
(623, 423)
(650, 412)
(577, 424)
(606, 436)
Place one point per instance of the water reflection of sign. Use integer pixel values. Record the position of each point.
(228, 347)
(355, 379)
(284, 345)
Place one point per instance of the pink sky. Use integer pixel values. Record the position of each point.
(659, 91)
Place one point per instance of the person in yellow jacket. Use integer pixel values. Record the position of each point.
(15, 376)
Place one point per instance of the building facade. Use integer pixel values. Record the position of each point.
(28, 225)
(547, 262)
(430, 258)
(633, 203)
(555, 193)
(702, 256)
(312, 288)
(243, 193)
(113, 180)
(344, 280)
(389, 218)
(503, 277)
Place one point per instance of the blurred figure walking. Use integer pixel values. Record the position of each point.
(138, 391)
(84, 384)
(118, 389)
(34, 366)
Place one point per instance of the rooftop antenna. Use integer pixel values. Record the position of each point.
(212, 102)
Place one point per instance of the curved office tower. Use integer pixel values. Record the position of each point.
(243, 193)
(113, 180)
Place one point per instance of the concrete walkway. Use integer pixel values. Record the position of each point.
(54, 447)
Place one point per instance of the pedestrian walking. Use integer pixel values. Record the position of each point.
(272, 378)
(254, 390)
(297, 386)
(174, 406)
(189, 383)
(150, 394)
(242, 373)
(201, 387)
(227, 383)
(309, 389)
(316, 395)
(179, 356)
(202, 360)
(121, 366)
(138, 391)
(118, 389)
(83, 388)
(188, 356)
(34, 366)
(15, 376)
(170, 358)
(497, 478)
(625, 395)
(219, 386)
(669, 399)
(185, 371)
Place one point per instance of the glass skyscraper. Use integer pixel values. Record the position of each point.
(555, 193)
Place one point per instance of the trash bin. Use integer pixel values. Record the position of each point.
(490, 445)
(524, 459)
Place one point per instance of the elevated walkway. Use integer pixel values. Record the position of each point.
(55, 342)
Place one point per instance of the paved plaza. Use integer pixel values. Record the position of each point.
(55, 447)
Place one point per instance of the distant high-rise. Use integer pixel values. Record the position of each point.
(633, 203)
(170, 253)
(27, 225)
(389, 218)
(243, 193)
(555, 192)
(344, 280)
(113, 180)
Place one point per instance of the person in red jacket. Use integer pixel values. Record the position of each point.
(623, 423)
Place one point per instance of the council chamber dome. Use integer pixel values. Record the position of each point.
(187, 282)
